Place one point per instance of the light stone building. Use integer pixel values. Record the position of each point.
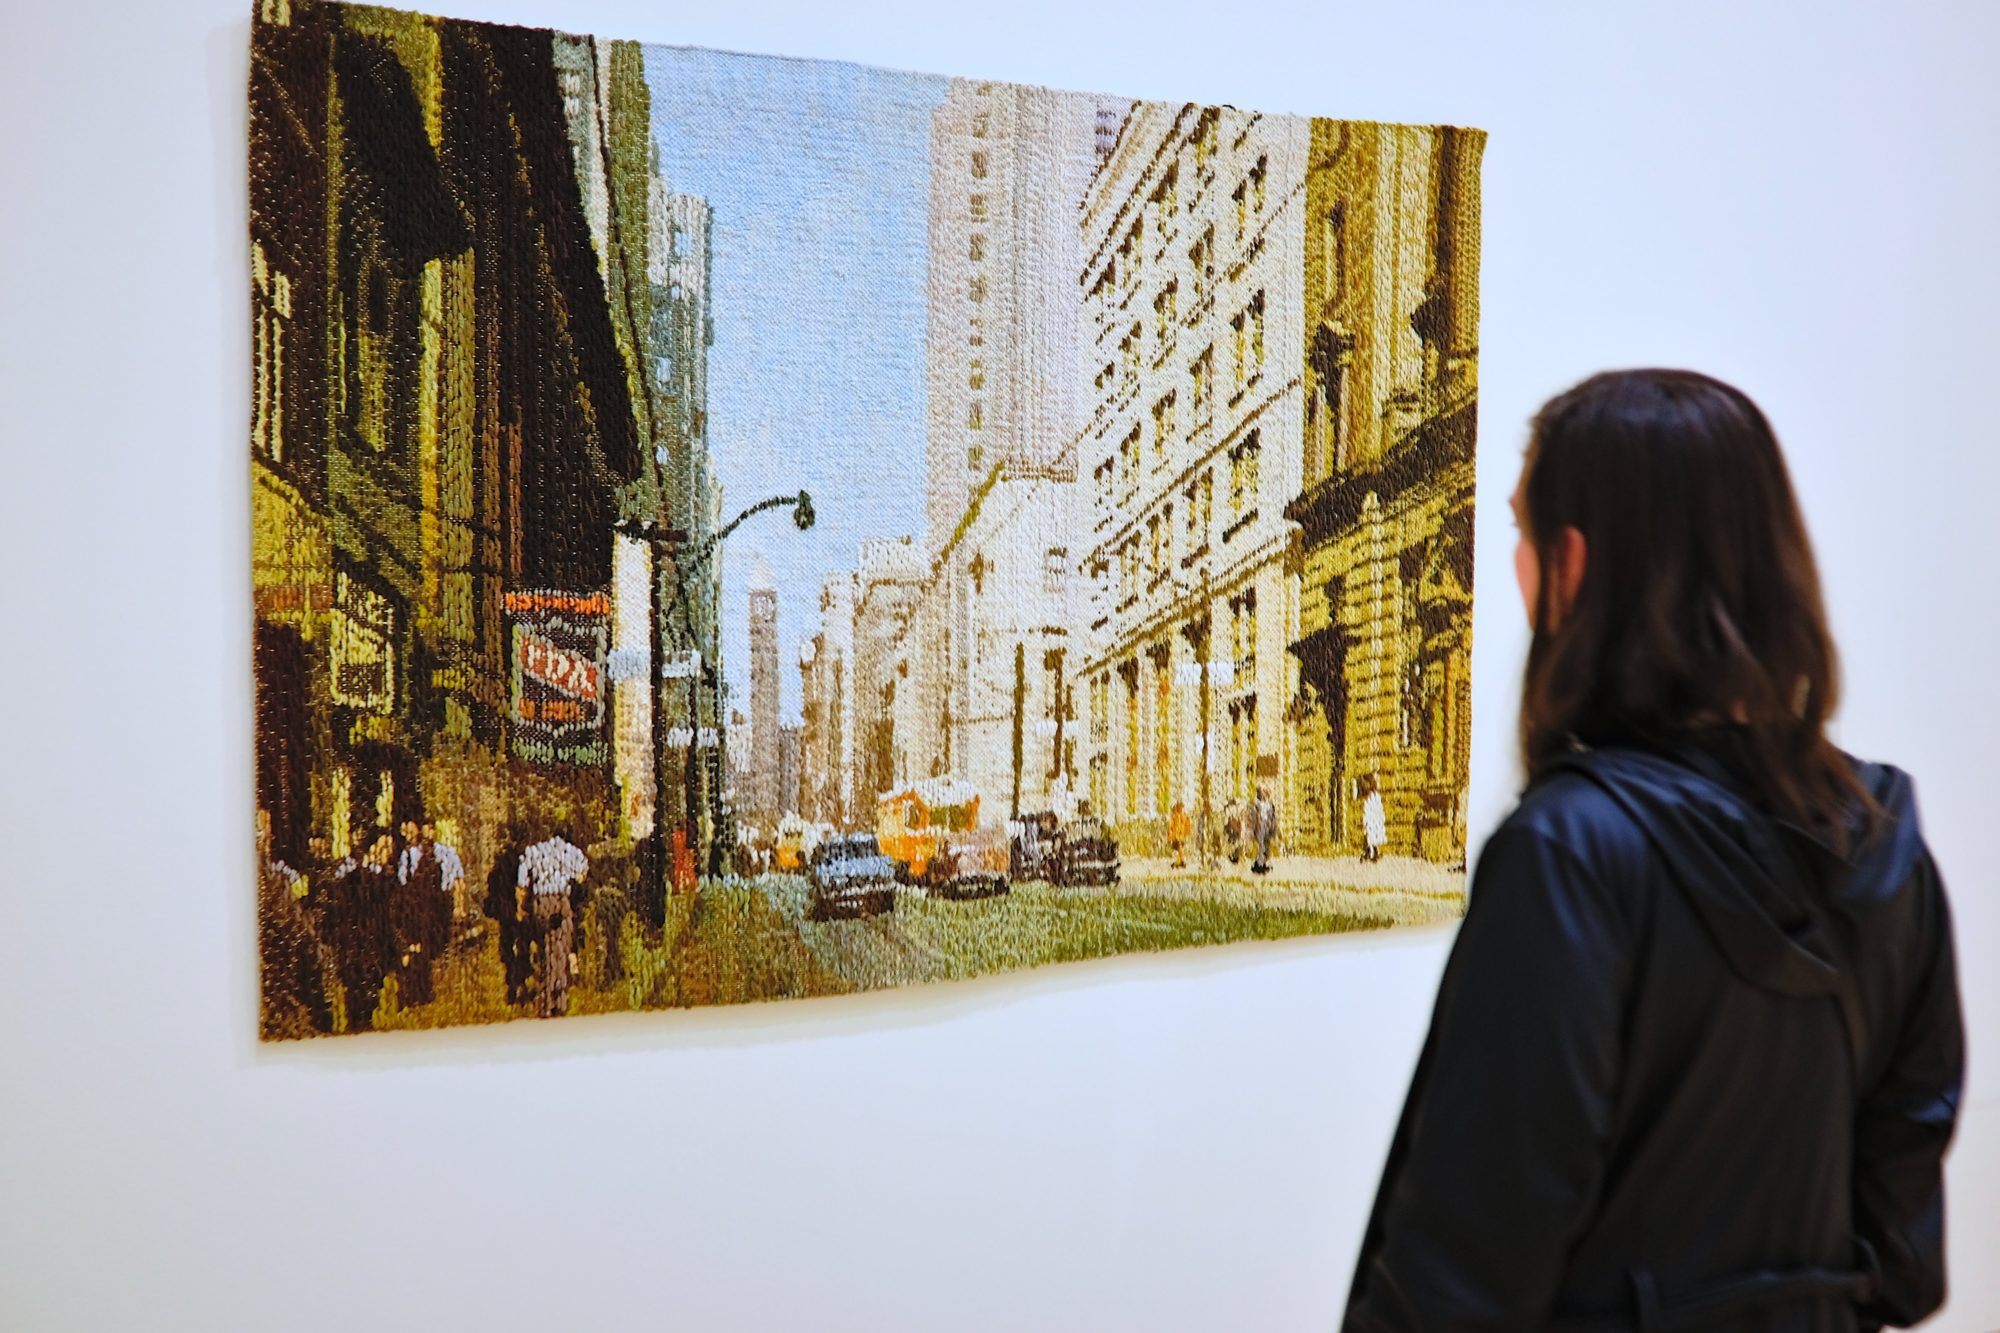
(1193, 238)
(983, 673)
(887, 583)
(759, 801)
(827, 775)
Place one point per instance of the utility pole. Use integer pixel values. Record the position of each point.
(1020, 706)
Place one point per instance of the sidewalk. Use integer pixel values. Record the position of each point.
(1405, 889)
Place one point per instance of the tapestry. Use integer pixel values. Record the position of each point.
(729, 528)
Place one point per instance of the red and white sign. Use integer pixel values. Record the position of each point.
(561, 669)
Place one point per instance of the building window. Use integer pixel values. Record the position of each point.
(1250, 334)
(976, 289)
(1163, 423)
(981, 121)
(1334, 242)
(1130, 251)
(274, 316)
(1243, 462)
(975, 376)
(979, 208)
(1166, 306)
(1258, 175)
(1204, 138)
(1239, 340)
(979, 166)
(1055, 570)
(975, 415)
(1327, 425)
(977, 251)
(1243, 632)
(1129, 452)
(1201, 376)
(1201, 260)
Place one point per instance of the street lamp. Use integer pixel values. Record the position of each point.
(674, 543)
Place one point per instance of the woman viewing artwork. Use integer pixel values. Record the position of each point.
(1697, 1055)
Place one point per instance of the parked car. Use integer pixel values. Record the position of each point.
(1035, 850)
(968, 863)
(850, 877)
(1086, 854)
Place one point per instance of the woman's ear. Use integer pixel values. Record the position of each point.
(1572, 554)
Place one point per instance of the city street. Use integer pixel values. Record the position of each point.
(742, 940)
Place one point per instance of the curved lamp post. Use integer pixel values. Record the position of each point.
(675, 543)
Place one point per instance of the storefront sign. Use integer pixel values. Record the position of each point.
(362, 644)
(558, 675)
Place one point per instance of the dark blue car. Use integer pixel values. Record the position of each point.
(850, 877)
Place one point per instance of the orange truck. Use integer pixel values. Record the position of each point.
(930, 830)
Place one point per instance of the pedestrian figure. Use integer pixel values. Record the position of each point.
(1374, 822)
(451, 871)
(505, 904)
(1232, 831)
(298, 977)
(549, 871)
(357, 925)
(1179, 829)
(421, 913)
(1264, 824)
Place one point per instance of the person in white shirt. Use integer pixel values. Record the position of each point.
(549, 869)
(1374, 822)
(451, 870)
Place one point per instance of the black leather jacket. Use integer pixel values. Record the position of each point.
(1689, 1069)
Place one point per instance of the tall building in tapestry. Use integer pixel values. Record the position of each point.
(1193, 239)
(981, 683)
(760, 801)
(1391, 374)
(827, 777)
(887, 583)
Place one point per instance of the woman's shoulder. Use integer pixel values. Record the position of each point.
(1568, 807)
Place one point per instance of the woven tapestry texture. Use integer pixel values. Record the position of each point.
(733, 528)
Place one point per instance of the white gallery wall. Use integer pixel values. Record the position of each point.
(1801, 199)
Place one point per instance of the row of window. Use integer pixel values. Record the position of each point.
(1121, 272)
(1164, 542)
(1246, 334)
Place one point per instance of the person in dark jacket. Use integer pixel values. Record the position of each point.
(504, 903)
(359, 926)
(420, 911)
(1698, 1052)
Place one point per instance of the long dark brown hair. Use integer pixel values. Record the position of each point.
(1699, 610)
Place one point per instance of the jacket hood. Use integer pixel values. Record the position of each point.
(1759, 884)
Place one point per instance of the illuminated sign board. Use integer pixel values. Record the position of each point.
(559, 640)
(361, 642)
